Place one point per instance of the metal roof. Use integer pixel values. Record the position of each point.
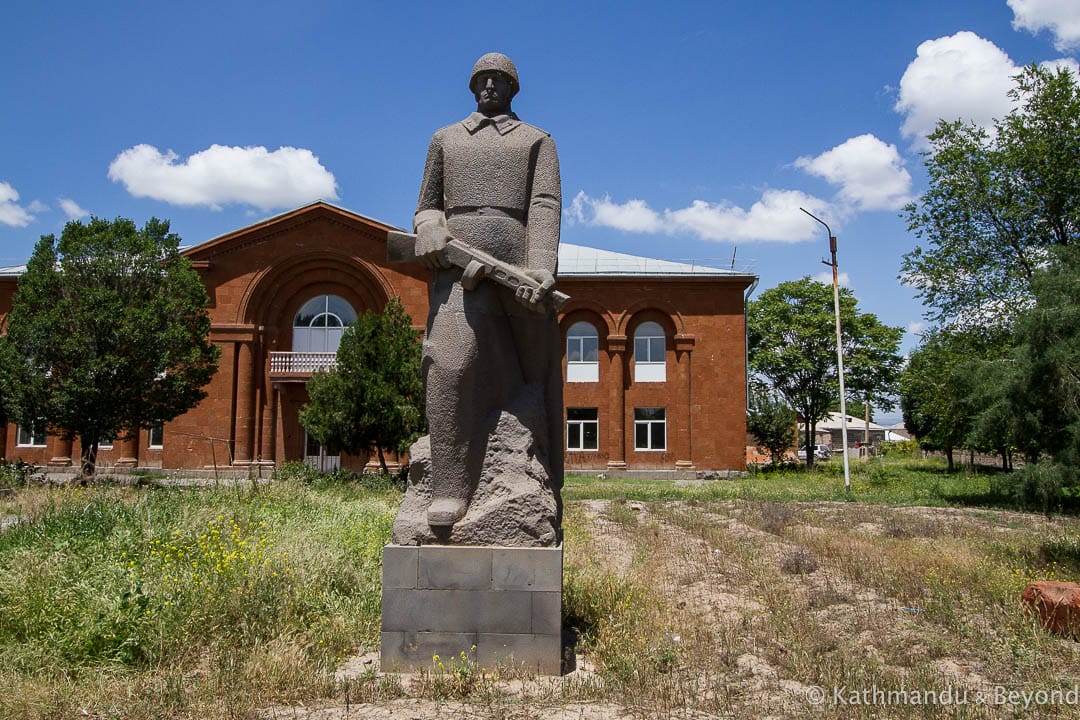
(581, 261)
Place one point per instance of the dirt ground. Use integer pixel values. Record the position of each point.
(755, 597)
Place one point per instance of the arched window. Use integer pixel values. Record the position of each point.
(650, 352)
(319, 324)
(582, 353)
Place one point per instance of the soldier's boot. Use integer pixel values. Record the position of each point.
(445, 511)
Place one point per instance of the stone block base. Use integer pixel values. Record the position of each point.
(498, 605)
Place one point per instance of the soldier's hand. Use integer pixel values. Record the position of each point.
(431, 239)
(532, 297)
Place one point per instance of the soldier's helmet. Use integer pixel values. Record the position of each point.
(499, 63)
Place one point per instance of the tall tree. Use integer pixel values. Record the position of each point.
(792, 344)
(772, 422)
(109, 333)
(934, 387)
(374, 396)
(996, 203)
(1046, 394)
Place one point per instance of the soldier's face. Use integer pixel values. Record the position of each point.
(492, 90)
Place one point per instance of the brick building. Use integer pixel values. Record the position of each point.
(654, 365)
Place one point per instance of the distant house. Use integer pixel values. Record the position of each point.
(830, 432)
(654, 364)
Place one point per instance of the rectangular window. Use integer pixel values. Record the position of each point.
(156, 437)
(106, 443)
(33, 436)
(649, 349)
(650, 429)
(649, 359)
(582, 364)
(582, 429)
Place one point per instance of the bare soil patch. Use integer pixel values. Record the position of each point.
(915, 598)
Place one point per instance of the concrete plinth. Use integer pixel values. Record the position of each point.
(496, 604)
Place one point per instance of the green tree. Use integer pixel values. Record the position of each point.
(108, 333)
(1046, 395)
(772, 422)
(374, 396)
(996, 203)
(792, 344)
(936, 388)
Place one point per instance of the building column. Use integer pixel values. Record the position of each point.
(245, 402)
(280, 454)
(61, 454)
(684, 345)
(127, 450)
(269, 426)
(267, 396)
(616, 345)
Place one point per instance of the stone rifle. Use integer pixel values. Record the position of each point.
(477, 264)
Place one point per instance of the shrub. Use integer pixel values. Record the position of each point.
(297, 471)
(16, 474)
(905, 448)
(798, 562)
(1042, 485)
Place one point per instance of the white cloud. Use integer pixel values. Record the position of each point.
(223, 175)
(825, 277)
(72, 209)
(36, 206)
(773, 218)
(915, 327)
(870, 173)
(10, 212)
(1069, 63)
(961, 76)
(1060, 17)
(630, 216)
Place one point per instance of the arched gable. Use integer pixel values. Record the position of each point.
(272, 297)
(588, 310)
(662, 312)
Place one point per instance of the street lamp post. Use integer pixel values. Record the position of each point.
(839, 347)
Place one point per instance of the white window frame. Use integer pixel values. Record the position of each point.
(654, 427)
(324, 337)
(34, 439)
(582, 341)
(579, 425)
(650, 356)
(160, 429)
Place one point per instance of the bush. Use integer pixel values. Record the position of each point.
(15, 474)
(297, 471)
(904, 448)
(1044, 485)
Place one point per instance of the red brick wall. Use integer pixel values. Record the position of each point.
(258, 277)
(704, 393)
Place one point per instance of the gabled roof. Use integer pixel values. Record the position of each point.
(315, 208)
(832, 422)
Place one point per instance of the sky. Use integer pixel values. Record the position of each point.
(689, 131)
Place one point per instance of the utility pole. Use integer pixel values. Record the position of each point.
(839, 346)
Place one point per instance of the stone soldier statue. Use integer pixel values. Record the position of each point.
(490, 181)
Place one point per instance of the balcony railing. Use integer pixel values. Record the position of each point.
(300, 363)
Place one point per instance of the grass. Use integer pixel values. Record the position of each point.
(732, 598)
(894, 480)
(139, 599)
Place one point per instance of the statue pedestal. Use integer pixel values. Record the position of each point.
(495, 604)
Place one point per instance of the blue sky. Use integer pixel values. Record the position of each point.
(685, 130)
